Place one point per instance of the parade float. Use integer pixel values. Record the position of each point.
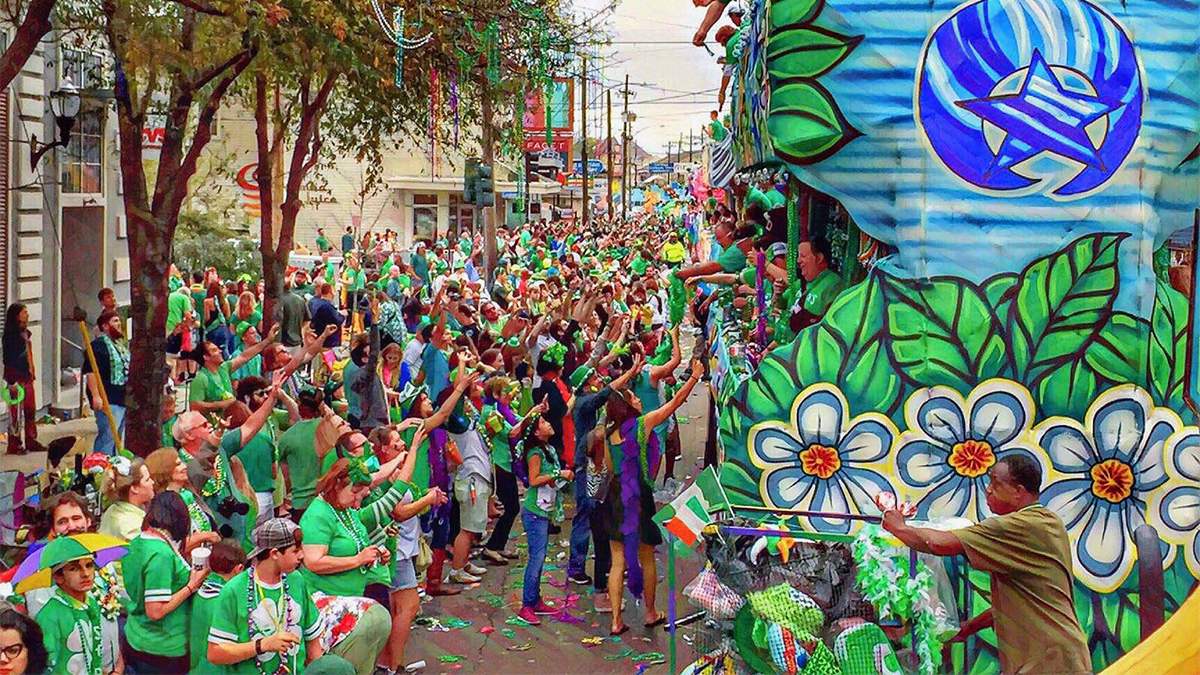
(1016, 168)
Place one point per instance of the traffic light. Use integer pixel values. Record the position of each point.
(471, 180)
(485, 189)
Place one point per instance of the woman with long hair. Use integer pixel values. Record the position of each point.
(22, 648)
(128, 489)
(19, 375)
(634, 455)
(248, 314)
(216, 318)
(160, 583)
(169, 471)
(543, 505)
(502, 428)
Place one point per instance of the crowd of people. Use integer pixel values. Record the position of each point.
(378, 438)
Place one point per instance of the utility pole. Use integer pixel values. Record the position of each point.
(679, 149)
(625, 155)
(583, 124)
(608, 177)
(488, 213)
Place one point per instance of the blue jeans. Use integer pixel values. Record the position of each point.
(537, 532)
(581, 529)
(105, 441)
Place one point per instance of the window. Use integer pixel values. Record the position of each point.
(82, 166)
(462, 216)
(84, 70)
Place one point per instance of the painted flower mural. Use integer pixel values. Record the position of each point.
(1100, 476)
(943, 458)
(1175, 510)
(821, 459)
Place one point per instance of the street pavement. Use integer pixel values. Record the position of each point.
(495, 642)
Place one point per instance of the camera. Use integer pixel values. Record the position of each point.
(230, 506)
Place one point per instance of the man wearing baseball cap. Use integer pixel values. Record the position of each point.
(265, 618)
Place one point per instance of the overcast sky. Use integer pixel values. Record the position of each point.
(652, 43)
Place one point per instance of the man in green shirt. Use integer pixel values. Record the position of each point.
(822, 285)
(298, 459)
(212, 390)
(265, 619)
(1025, 549)
(323, 243)
(714, 128)
(70, 619)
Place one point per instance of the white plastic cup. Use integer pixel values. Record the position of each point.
(200, 558)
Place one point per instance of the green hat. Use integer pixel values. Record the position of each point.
(329, 664)
(581, 375)
(62, 550)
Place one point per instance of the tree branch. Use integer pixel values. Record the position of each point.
(31, 31)
(202, 7)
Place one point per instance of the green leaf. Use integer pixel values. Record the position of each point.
(999, 291)
(1067, 390)
(806, 52)
(818, 356)
(805, 124)
(739, 487)
(942, 332)
(792, 12)
(1167, 352)
(1061, 303)
(865, 376)
(1118, 352)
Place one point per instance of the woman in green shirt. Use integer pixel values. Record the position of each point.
(543, 504)
(160, 584)
(501, 427)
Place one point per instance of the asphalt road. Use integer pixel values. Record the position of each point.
(491, 644)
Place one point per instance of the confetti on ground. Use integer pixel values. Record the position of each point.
(566, 617)
(649, 657)
(551, 567)
(517, 621)
(557, 583)
(450, 658)
(592, 641)
(623, 654)
(487, 630)
(492, 600)
(509, 633)
(523, 647)
(455, 622)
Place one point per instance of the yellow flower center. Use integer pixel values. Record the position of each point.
(972, 458)
(820, 461)
(1112, 480)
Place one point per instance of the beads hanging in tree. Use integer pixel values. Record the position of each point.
(793, 225)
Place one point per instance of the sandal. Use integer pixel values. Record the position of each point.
(657, 622)
(620, 631)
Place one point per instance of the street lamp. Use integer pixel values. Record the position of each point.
(64, 105)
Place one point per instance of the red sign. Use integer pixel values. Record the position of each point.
(537, 143)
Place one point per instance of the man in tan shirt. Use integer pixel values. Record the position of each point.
(1025, 549)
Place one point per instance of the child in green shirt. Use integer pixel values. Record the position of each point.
(70, 619)
(224, 563)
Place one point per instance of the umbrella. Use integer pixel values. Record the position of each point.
(34, 571)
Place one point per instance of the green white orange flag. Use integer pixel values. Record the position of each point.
(688, 514)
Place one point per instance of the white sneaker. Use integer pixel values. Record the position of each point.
(463, 577)
(475, 570)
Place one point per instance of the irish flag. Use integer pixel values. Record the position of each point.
(688, 514)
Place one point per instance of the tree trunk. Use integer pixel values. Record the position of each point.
(264, 175)
(488, 213)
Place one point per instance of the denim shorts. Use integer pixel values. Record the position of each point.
(404, 575)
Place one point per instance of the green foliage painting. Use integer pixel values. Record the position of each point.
(919, 386)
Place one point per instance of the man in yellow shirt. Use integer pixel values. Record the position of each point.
(1025, 549)
(673, 250)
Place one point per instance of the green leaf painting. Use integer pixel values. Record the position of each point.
(785, 13)
(806, 52)
(1061, 303)
(942, 332)
(804, 122)
(1118, 352)
(1067, 390)
(1167, 351)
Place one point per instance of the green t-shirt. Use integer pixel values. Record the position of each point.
(496, 428)
(203, 604)
(543, 500)
(252, 368)
(323, 244)
(356, 280)
(168, 432)
(421, 470)
(211, 387)
(821, 292)
(639, 265)
(718, 130)
(775, 199)
(731, 260)
(71, 633)
(257, 456)
(344, 536)
(179, 302)
(153, 572)
(294, 611)
(297, 451)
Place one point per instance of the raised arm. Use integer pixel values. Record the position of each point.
(658, 373)
(258, 418)
(921, 539)
(462, 381)
(659, 415)
(253, 350)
